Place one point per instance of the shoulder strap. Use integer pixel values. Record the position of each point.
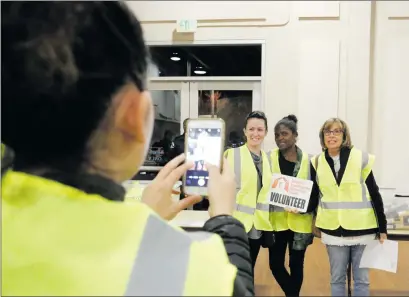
(268, 154)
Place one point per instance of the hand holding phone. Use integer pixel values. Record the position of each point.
(204, 141)
(158, 194)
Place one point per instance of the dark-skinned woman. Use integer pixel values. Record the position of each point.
(291, 228)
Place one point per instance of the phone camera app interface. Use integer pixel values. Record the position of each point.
(203, 147)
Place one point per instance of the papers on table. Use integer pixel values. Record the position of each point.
(381, 256)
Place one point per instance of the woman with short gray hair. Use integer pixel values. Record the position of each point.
(350, 208)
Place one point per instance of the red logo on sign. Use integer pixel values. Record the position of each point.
(281, 183)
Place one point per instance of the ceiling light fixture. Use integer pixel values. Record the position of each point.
(200, 70)
(175, 57)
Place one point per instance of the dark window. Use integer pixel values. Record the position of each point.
(232, 106)
(170, 61)
(209, 60)
(167, 126)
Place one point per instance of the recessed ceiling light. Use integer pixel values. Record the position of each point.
(175, 57)
(200, 72)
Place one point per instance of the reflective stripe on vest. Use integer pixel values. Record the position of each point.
(148, 270)
(365, 203)
(237, 171)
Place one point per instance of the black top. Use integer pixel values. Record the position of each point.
(286, 167)
(373, 190)
(7, 159)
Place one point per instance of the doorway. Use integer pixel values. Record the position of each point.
(175, 101)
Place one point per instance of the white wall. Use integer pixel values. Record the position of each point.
(318, 64)
(390, 99)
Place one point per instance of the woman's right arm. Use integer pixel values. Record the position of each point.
(236, 243)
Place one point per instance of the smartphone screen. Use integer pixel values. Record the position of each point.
(204, 145)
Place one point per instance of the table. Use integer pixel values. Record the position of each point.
(191, 220)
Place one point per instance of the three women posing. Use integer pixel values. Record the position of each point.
(345, 198)
(272, 228)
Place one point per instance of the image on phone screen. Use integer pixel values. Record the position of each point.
(204, 146)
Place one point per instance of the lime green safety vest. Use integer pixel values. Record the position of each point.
(349, 204)
(282, 220)
(251, 208)
(60, 241)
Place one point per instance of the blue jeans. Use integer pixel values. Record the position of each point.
(338, 259)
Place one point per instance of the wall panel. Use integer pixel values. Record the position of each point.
(317, 89)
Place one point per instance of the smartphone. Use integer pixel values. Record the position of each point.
(204, 143)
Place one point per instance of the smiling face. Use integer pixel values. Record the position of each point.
(333, 136)
(255, 131)
(284, 137)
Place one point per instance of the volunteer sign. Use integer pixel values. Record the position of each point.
(290, 192)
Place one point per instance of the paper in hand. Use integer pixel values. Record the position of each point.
(381, 256)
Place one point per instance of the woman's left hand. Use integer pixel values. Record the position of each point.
(291, 210)
(158, 194)
(383, 237)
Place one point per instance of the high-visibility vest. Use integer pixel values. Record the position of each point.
(280, 219)
(60, 241)
(251, 208)
(348, 205)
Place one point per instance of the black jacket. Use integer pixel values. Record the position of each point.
(7, 159)
(373, 191)
(230, 229)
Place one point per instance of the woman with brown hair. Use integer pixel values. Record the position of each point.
(349, 206)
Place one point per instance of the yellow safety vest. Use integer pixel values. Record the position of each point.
(349, 204)
(60, 241)
(282, 220)
(250, 209)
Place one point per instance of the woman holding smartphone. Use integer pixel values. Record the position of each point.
(292, 229)
(350, 207)
(253, 176)
(66, 228)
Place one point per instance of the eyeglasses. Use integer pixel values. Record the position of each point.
(335, 132)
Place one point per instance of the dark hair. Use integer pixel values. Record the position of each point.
(62, 63)
(289, 122)
(256, 115)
